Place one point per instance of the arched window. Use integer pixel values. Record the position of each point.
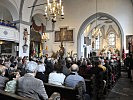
(97, 42)
(112, 39)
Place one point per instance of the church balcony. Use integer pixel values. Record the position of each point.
(9, 34)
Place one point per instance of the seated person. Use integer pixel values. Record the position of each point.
(3, 22)
(3, 80)
(0, 21)
(11, 85)
(13, 25)
(65, 70)
(101, 66)
(73, 79)
(49, 66)
(40, 71)
(8, 23)
(29, 86)
(57, 77)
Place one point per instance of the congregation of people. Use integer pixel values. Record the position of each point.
(128, 62)
(25, 77)
(8, 23)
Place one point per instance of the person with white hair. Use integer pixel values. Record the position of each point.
(29, 86)
(41, 71)
(73, 79)
(76, 81)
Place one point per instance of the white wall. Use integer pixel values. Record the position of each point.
(16, 3)
(5, 14)
(9, 34)
(21, 40)
(76, 12)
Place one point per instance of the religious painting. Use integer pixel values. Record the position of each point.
(57, 36)
(129, 38)
(69, 36)
(63, 35)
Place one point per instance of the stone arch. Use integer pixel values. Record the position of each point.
(38, 11)
(12, 9)
(111, 29)
(40, 18)
(88, 20)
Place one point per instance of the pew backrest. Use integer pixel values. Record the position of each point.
(10, 96)
(66, 93)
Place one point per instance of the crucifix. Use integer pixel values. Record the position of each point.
(63, 35)
(63, 31)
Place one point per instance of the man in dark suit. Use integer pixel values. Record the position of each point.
(29, 86)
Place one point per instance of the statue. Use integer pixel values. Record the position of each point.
(25, 37)
(62, 50)
(93, 44)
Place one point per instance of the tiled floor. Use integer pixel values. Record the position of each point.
(123, 89)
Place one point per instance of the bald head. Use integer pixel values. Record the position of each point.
(75, 68)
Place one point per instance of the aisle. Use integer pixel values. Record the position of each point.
(123, 89)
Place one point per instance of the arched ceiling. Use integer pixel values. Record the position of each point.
(11, 8)
(38, 9)
(29, 7)
(103, 18)
(39, 18)
(99, 22)
(5, 14)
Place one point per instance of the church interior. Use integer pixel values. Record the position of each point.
(84, 32)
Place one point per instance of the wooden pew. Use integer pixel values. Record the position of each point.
(88, 86)
(66, 93)
(10, 96)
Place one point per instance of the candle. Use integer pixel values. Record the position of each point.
(60, 2)
(53, 1)
(46, 9)
(62, 13)
(48, 2)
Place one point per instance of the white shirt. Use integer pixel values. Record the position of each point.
(56, 78)
(41, 68)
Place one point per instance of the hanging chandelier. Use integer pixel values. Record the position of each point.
(45, 37)
(53, 10)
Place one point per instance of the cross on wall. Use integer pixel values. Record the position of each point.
(63, 35)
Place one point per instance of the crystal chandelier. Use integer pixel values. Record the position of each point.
(45, 37)
(53, 10)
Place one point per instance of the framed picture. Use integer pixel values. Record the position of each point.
(57, 36)
(69, 35)
(129, 38)
(64, 35)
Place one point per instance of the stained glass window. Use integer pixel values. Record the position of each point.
(111, 39)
